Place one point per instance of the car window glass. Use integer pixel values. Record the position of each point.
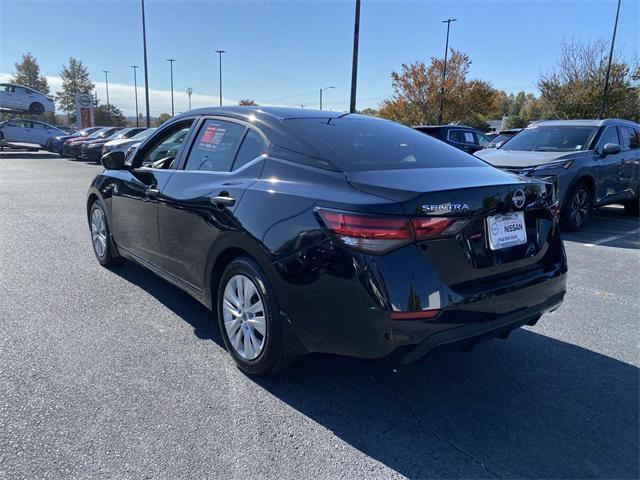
(469, 137)
(610, 135)
(40, 126)
(455, 136)
(252, 147)
(482, 140)
(167, 145)
(628, 138)
(215, 147)
(21, 124)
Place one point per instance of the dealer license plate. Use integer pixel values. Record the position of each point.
(506, 230)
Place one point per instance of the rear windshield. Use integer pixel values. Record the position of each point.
(552, 139)
(360, 143)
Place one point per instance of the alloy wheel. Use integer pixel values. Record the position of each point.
(579, 207)
(98, 232)
(244, 317)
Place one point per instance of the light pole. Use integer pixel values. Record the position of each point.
(220, 52)
(606, 78)
(135, 90)
(189, 92)
(171, 60)
(354, 64)
(322, 90)
(444, 67)
(106, 84)
(146, 72)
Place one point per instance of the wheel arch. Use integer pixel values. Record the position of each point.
(586, 179)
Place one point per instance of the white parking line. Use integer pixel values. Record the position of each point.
(612, 238)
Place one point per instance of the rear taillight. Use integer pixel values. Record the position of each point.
(379, 234)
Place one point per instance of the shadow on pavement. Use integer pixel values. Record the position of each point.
(529, 407)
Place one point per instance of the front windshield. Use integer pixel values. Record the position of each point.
(560, 138)
(144, 133)
(96, 134)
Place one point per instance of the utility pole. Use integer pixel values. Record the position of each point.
(220, 52)
(171, 60)
(189, 92)
(135, 89)
(354, 65)
(606, 78)
(106, 84)
(444, 68)
(321, 90)
(146, 71)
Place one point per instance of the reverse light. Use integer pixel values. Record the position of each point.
(378, 234)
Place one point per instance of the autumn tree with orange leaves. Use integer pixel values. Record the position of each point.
(417, 90)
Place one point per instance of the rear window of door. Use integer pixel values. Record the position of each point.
(462, 136)
(252, 147)
(216, 146)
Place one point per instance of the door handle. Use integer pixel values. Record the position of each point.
(152, 192)
(223, 201)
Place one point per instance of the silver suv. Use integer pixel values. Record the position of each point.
(591, 162)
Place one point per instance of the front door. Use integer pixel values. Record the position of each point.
(135, 196)
(630, 143)
(609, 181)
(199, 201)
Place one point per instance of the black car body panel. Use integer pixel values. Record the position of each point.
(333, 297)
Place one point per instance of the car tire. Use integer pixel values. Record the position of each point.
(632, 207)
(577, 208)
(254, 341)
(101, 235)
(36, 108)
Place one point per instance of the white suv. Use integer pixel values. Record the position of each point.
(24, 99)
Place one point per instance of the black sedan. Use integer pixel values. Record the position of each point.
(92, 150)
(310, 231)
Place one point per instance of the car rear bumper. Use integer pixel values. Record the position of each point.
(337, 302)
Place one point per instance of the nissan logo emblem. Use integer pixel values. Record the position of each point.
(518, 198)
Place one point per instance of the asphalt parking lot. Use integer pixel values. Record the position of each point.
(117, 374)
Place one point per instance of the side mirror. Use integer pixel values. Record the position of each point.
(113, 161)
(610, 149)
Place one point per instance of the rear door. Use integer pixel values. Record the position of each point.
(200, 199)
(630, 169)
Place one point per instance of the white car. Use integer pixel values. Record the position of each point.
(123, 144)
(28, 131)
(24, 99)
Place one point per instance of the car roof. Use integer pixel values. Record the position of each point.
(249, 113)
(584, 123)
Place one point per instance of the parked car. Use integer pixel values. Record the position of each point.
(92, 150)
(24, 99)
(55, 144)
(123, 144)
(501, 137)
(592, 162)
(465, 138)
(314, 231)
(72, 147)
(28, 131)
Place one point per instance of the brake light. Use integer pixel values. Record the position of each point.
(378, 234)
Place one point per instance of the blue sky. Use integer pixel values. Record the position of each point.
(282, 52)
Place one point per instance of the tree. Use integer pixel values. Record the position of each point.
(75, 79)
(163, 117)
(574, 88)
(28, 74)
(247, 103)
(109, 116)
(417, 91)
